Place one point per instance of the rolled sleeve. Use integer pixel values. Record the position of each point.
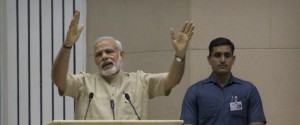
(155, 82)
(74, 85)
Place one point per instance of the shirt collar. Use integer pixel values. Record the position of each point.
(232, 80)
(115, 79)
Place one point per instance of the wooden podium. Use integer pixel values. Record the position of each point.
(116, 122)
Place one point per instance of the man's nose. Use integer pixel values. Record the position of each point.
(104, 56)
(222, 58)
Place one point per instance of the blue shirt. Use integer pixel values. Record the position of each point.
(207, 103)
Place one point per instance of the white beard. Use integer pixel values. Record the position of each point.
(111, 71)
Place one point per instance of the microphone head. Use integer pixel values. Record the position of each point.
(127, 96)
(91, 95)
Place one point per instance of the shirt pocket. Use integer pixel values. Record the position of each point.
(241, 113)
(207, 108)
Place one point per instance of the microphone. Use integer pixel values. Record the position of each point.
(128, 99)
(91, 95)
(112, 106)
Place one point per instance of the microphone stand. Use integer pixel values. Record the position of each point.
(112, 105)
(128, 99)
(91, 95)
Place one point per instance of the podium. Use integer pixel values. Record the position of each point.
(116, 122)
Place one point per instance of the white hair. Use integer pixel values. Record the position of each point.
(103, 38)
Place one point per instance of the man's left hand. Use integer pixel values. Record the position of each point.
(180, 42)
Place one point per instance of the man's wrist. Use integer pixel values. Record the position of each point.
(67, 47)
(179, 58)
(180, 53)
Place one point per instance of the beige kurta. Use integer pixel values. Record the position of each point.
(139, 85)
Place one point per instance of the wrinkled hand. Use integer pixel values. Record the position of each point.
(181, 41)
(74, 31)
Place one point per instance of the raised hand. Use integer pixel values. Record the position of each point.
(74, 31)
(181, 41)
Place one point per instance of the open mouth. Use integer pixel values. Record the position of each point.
(107, 65)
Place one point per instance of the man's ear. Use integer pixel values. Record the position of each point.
(208, 59)
(122, 55)
(233, 58)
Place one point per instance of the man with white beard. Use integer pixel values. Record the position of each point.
(112, 84)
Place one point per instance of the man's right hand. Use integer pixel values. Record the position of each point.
(61, 62)
(74, 31)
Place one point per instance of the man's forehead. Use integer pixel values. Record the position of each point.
(106, 44)
(104, 49)
(221, 49)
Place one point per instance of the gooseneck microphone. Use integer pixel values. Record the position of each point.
(112, 106)
(128, 99)
(91, 95)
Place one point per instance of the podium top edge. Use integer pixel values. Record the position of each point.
(100, 121)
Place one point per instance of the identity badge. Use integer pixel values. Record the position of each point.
(236, 106)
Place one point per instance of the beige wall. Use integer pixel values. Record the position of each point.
(266, 34)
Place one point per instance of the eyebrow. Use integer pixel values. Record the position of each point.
(217, 54)
(222, 52)
(109, 48)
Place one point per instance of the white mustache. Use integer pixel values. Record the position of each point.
(107, 61)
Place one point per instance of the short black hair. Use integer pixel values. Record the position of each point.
(219, 42)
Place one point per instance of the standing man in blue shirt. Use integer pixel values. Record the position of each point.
(222, 99)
